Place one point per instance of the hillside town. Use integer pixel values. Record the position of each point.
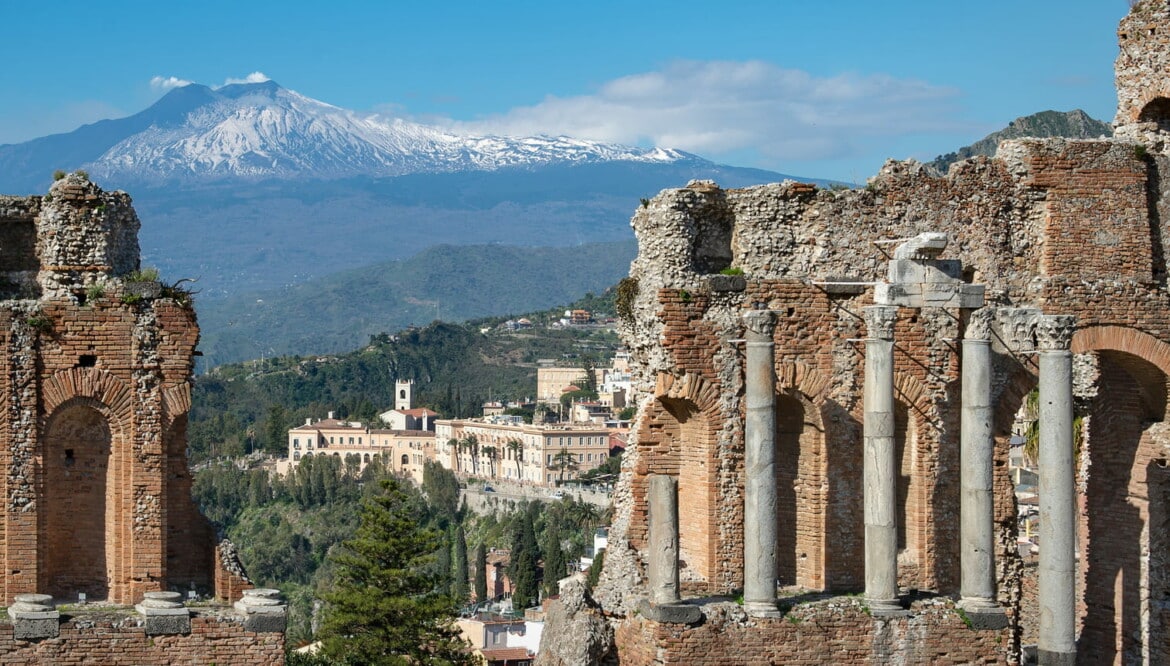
(572, 436)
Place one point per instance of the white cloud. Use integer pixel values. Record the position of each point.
(719, 107)
(168, 82)
(254, 77)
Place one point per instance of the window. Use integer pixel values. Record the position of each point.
(330, 439)
(589, 457)
(359, 441)
(297, 456)
(351, 441)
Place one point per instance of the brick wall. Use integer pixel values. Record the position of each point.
(113, 637)
(838, 631)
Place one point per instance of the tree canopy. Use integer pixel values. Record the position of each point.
(386, 607)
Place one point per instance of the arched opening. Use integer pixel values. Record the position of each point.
(1158, 112)
(1125, 437)
(910, 486)
(405, 460)
(78, 512)
(676, 439)
(799, 483)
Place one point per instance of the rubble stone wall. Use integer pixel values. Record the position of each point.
(1051, 225)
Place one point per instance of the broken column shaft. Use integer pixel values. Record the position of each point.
(1058, 527)
(663, 552)
(880, 466)
(759, 550)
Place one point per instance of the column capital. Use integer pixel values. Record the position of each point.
(1054, 332)
(1018, 327)
(880, 320)
(760, 324)
(978, 326)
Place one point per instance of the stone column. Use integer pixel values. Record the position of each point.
(880, 467)
(977, 450)
(759, 516)
(665, 603)
(1058, 510)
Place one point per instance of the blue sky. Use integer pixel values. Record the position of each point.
(819, 89)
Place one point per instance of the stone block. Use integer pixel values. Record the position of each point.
(680, 613)
(986, 618)
(32, 629)
(158, 624)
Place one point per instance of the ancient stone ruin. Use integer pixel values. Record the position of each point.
(95, 379)
(828, 383)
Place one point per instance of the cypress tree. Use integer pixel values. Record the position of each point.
(555, 563)
(459, 566)
(480, 573)
(524, 568)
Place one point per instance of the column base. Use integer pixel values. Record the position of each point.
(762, 609)
(670, 613)
(983, 614)
(1050, 658)
(886, 608)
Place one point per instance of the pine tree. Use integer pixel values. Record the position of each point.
(480, 573)
(385, 608)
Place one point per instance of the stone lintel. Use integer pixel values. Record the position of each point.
(671, 613)
(930, 295)
(906, 271)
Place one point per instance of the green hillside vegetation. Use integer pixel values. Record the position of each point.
(448, 282)
(246, 407)
(1075, 124)
(289, 530)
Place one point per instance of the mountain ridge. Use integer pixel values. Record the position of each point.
(262, 130)
(1075, 124)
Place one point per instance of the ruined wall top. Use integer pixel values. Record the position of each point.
(70, 238)
(1142, 72)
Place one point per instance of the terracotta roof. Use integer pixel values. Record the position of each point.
(330, 424)
(505, 654)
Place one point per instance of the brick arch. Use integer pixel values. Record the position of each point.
(678, 435)
(176, 402)
(804, 490)
(110, 395)
(1123, 339)
(1126, 436)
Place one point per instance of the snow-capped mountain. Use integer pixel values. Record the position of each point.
(261, 130)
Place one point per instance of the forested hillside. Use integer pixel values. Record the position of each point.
(452, 283)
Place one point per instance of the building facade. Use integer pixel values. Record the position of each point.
(506, 448)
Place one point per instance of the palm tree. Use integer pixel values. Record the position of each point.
(458, 446)
(490, 453)
(516, 448)
(471, 443)
(564, 460)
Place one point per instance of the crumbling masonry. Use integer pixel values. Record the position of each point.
(896, 331)
(95, 383)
